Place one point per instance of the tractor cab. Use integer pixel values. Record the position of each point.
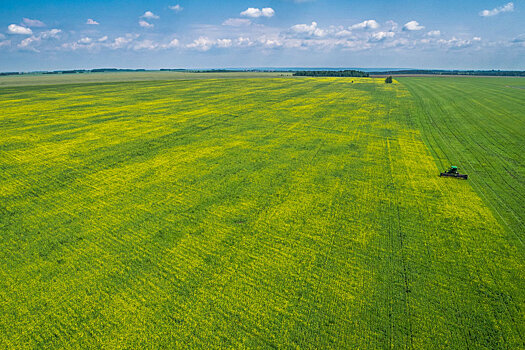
(452, 170)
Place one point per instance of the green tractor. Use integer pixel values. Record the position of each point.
(453, 172)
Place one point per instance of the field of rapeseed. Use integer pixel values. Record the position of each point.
(289, 213)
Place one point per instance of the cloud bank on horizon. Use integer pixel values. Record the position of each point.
(291, 33)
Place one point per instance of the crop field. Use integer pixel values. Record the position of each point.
(53, 79)
(480, 124)
(262, 213)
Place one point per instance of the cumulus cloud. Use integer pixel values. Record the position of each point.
(26, 43)
(125, 42)
(243, 42)
(270, 43)
(237, 22)
(379, 36)
(176, 8)
(309, 29)
(32, 41)
(506, 8)
(342, 33)
(392, 24)
(202, 43)
(173, 43)
(412, 25)
(256, 12)
(91, 21)
(223, 43)
(434, 33)
(33, 22)
(53, 33)
(5, 43)
(121, 41)
(16, 29)
(145, 24)
(152, 45)
(145, 45)
(149, 15)
(368, 24)
(456, 43)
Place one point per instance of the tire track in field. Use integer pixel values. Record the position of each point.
(400, 237)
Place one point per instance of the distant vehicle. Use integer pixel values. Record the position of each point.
(453, 172)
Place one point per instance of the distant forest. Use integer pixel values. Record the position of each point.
(332, 73)
(495, 73)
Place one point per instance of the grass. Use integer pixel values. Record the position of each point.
(290, 213)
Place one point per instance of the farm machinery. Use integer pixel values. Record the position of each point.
(453, 172)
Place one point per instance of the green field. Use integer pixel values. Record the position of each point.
(263, 213)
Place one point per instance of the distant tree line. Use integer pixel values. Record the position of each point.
(498, 73)
(332, 73)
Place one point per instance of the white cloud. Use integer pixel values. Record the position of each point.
(25, 44)
(256, 13)
(243, 42)
(368, 24)
(342, 33)
(5, 43)
(268, 12)
(53, 33)
(121, 41)
(311, 29)
(149, 15)
(412, 25)
(104, 38)
(176, 8)
(393, 25)
(85, 40)
(16, 29)
(34, 40)
(145, 45)
(223, 43)
(434, 33)
(30, 42)
(456, 43)
(33, 23)
(145, 24)
(378, 36)
(91, 21)
(237, 22)
(173, 43)
(270, 43)
(506, 8)
(202, 43)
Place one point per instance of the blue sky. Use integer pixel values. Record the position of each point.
(60, 34)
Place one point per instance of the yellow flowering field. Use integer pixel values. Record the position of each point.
(243, 213)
